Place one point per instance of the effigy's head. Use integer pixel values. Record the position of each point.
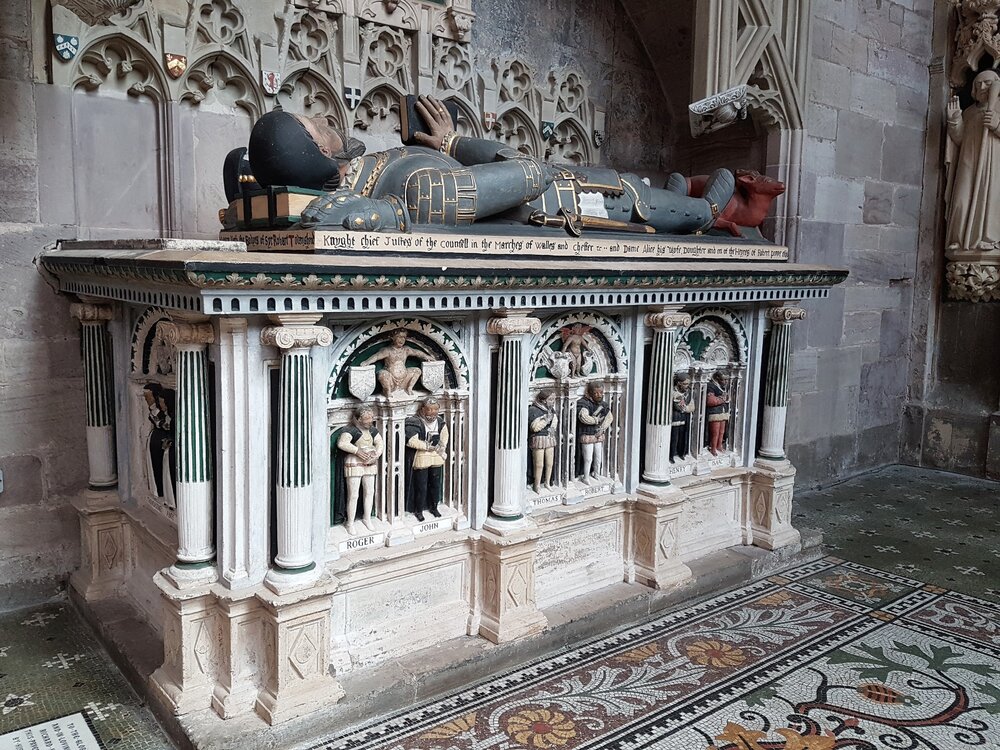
(287, 149)
(982, 83)
(345, 209)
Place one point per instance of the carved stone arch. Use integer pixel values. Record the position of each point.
(602, 337)
(378, 113)
(516, 86)
(469, 122)
(220, 25)
(446, 341)
(224, 77)
(140, 19)
(570, 90)
(313, 40)
(454, 69)
(386, 56)
(143, 338)
(404, 14)
(516, 128)
(716, 337)
(308, 92)
(116, 58)
(570, 143)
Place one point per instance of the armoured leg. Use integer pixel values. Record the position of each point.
(676, 183)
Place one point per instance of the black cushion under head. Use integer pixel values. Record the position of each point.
(283, 153)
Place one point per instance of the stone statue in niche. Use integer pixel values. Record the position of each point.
(363, 446)
(593, 417)
(717, 413)
(390, 190)
(161, 356)
(574, 343)
(396, 376)
(160, 450)
(973, 157)
(542, 430)
(426, 449)
(682, 405)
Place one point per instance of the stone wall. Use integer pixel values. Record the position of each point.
(42, 411)
(951, 420)
(860, 200)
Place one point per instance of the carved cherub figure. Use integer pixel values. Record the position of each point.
(396, 376)
(576, 345)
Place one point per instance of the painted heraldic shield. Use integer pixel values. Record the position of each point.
(66, 46)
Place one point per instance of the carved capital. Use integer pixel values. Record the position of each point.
(184, 334)
(974, 281)
(664, 320)
(785, 314)
(511, 326)
(296, 337)
(89, 313)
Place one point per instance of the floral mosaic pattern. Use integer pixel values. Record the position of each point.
(829, 655)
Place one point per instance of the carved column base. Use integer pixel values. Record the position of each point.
(102, 545)
(297, 653)
(192, 646)
(507, 589)
(282, 582)
(771, 489)
(654, 537)
(243, 663)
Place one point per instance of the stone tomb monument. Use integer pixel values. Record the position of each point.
(314, 458)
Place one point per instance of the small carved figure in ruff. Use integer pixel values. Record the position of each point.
(396, 376)
(574, 344)
(426, 444)
(717, 401)
(594, 418)
(680, 423)
(542, 428)
(974, 173)
(363, 445)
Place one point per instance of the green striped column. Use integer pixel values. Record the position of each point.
(98, 378)
(195, 506)
(772, 442)
(664, 322)
(511, 413)
(295, 521)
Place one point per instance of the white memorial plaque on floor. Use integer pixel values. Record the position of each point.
(66, 733)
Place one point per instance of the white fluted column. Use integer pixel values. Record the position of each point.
(295, 336)
(511, 416)
(192, 430)
(772, 443)
(99, 383)
(665, 323)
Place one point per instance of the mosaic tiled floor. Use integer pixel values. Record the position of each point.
(941, 528)
(829, 655)
(51, 665)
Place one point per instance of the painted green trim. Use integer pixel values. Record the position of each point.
(195, 565)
